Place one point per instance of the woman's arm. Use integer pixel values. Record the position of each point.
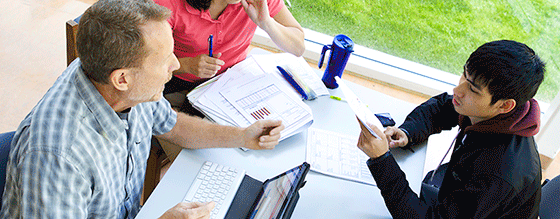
(283, 29)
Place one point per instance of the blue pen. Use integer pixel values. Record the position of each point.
(210, 42)
(291, 80)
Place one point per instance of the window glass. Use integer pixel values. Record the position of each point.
(441, 33)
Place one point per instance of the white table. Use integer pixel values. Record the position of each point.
(323, 196)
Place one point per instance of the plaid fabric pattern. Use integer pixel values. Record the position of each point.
(74, 157)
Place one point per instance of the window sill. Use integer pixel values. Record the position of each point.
(380, 66)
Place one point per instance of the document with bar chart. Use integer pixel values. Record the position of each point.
(337, 155)
(262, 98)
(245, 94)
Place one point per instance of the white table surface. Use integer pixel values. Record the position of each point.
(323, 196)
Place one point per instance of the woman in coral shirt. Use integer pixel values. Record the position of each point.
(232, 23)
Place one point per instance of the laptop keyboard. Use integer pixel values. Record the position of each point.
(218, 183)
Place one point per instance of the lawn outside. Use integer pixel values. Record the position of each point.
(440, 34)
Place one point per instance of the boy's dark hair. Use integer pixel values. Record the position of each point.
(201, 5)
(510, 70)
(110, 35)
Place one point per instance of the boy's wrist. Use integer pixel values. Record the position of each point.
(373, 161)
(409, 140)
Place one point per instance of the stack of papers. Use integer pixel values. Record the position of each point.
(253, 90)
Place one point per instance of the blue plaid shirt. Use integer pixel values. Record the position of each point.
(73, 156)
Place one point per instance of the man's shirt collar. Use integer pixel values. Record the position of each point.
(102, 111)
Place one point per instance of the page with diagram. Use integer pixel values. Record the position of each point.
(337, 155)
(263, 97)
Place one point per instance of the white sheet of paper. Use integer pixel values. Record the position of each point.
(360, 109)
(239, 81)
(262, 98)
(207, 107)
(337, 155)
(269, 62)
(216, 103)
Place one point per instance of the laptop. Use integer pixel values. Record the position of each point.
(238, 195)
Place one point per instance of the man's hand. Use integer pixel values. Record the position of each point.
(262, 134)
(396, 137)
(202, 66)
(373, 147)
(257, 10)
(190, 210)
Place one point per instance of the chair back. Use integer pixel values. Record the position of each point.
(71, 32)
(5, 144)
(550, 199)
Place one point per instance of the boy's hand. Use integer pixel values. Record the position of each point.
(396, 137)
(373, 147)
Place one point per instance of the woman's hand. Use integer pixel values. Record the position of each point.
(202, 66)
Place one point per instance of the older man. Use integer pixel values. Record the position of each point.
(82, 151)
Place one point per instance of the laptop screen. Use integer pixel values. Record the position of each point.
(276, 192)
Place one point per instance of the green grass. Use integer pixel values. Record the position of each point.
(441, 33)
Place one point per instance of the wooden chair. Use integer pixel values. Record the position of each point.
(71, 32)
(157, 158)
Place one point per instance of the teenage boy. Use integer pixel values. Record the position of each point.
(494, 171)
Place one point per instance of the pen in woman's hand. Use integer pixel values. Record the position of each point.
(210, 42)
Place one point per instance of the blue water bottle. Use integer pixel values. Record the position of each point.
(341, 49)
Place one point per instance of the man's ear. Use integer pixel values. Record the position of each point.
(121, 79)
(507, 106)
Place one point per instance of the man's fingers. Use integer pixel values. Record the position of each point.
(276, 130)
(271, 127)
(269, 138)
(270, 123)
(190, 205)
(268, 145)
(201, 210)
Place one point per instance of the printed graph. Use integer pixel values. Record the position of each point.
(261, 113)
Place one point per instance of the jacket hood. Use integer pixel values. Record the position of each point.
(523, 121)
